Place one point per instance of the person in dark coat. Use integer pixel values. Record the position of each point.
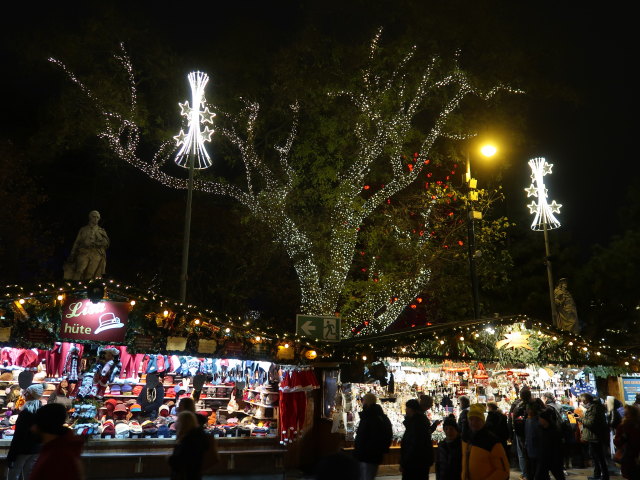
(449, 453)
(373, 437)
(517, 419)
(25, 444)
(595, 433)
(627, 441)
(551, 453)
(61, 449)
(463, 425)
(151, 397)
(416, 453)
(192, 443)
(497, 424)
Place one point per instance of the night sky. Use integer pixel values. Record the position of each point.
(573, 59)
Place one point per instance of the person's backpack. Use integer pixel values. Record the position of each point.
(210, 457)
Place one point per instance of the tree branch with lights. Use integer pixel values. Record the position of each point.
(385, 106)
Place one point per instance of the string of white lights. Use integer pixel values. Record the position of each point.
(381, 133)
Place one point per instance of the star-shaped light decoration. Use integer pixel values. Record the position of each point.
(514, 340)
(192, 142)
(544, 212)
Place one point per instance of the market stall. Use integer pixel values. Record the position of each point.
(121, 361)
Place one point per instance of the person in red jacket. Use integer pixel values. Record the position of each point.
(61, 449)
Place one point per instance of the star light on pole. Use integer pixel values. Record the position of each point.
(544, 218)
(544, 212)
(192, 142)
(192, 154)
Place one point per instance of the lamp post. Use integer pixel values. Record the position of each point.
(193, 155)
(472, 215)
(544, 218)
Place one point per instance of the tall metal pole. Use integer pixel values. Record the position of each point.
(187, 233)
(471, 245)
(554, 317)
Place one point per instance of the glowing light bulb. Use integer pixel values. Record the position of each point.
(488, 150)
(132, 302)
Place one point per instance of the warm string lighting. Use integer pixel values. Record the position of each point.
(381, 137)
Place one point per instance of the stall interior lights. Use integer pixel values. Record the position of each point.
(133, 302)
(60, 298)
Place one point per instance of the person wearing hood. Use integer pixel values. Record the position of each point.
(449, 452)
(151, 397)
(61, 448)
(416, 453)
(373, 437)
(25, 446)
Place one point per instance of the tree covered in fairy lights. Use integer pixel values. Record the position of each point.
(385, 222)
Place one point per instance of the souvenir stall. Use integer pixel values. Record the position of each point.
(487, 361)
(121, 366)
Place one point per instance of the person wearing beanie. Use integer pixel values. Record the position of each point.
(61, 449)
(25, 446)
(449, 453)
(483, 457)
(373, 437)
(416, 452)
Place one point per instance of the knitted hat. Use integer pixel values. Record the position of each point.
(127, 389)
(476, 410)
(450, 421)
(135, 408)
(122, 430)
(120, 408)
(137, 390)
(135, 427)
(36, 390)
(111, 403)
(163, 408)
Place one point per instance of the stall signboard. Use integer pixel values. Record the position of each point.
(631, 388)
(85, 321)
(322, 327)
(177, 343)
(5, 334)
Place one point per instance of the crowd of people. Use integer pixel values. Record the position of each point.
(43, 448)
(477, 443)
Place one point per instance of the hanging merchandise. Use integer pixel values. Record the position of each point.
(294, 386)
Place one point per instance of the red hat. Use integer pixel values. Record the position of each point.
(120, 407)
(111, 402)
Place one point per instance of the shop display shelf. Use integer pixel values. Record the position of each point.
(260, 404)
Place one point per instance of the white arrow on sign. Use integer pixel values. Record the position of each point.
(308, 327)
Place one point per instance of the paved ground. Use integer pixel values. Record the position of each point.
(386, 473)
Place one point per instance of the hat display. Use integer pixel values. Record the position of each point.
(107, 321)
(135, 427)
(122, 430)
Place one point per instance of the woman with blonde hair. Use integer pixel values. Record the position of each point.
(192, 443)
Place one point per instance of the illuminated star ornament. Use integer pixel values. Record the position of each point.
(193, 140)
(544, 212)
(514, 340)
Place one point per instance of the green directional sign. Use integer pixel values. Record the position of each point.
(326, 328)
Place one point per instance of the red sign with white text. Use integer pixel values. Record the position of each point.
(105, 321)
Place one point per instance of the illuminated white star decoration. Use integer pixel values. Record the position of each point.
(193, 140)
(543, 211)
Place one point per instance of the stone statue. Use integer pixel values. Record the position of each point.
(88, 257)
(566, 312)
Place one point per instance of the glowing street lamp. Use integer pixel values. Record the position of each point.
(193, 154)
(472, 215)
(544, 218)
